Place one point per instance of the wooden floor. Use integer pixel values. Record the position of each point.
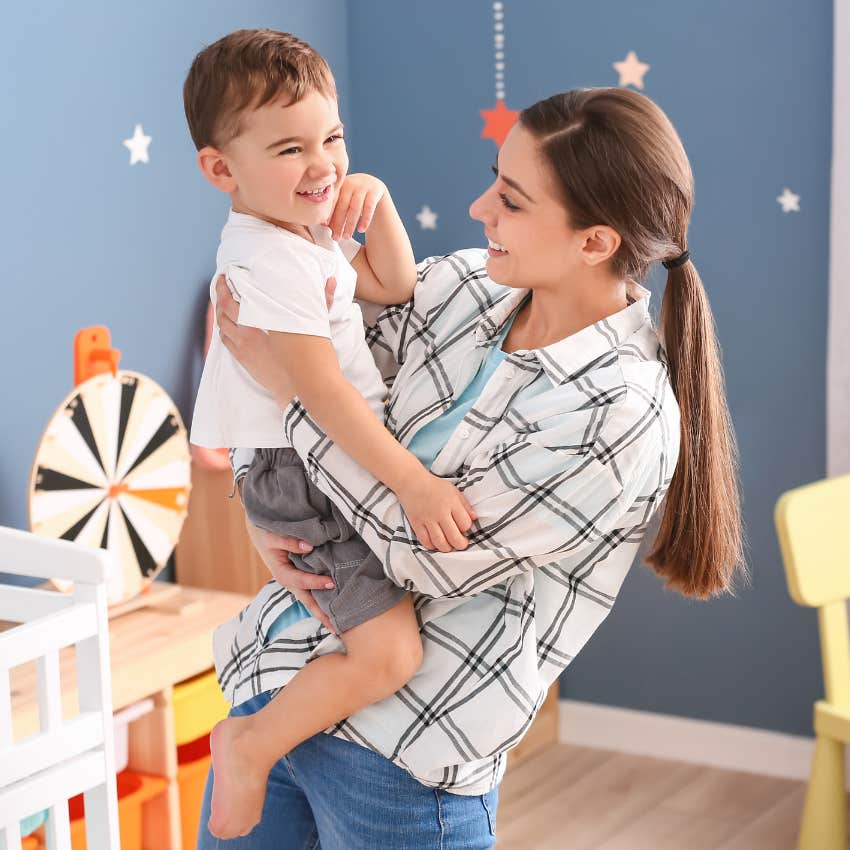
(575, 798)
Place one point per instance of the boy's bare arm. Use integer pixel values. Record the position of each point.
(385, 266)
(341, 411)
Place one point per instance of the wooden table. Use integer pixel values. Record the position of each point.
(152, 649)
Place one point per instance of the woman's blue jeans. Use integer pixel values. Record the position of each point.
(330, 794)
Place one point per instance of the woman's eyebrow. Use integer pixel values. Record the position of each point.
(513, 184)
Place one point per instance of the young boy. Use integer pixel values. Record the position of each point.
(262, 110)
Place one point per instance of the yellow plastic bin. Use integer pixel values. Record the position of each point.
(198, 706)
(134, 789)
(193, 762)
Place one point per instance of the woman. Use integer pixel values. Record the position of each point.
(536, 382)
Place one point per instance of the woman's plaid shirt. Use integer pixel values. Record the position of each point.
(565, 456)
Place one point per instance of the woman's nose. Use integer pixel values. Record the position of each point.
(479, 209)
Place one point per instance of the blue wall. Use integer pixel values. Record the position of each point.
(88, 239)
(748, 85)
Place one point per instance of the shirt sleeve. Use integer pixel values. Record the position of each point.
(389, 329)
(349, 248)
(281, 291)
(535, 507)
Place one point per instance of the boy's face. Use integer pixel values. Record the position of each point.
(289, 161)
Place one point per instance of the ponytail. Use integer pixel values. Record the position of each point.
(618, 161)
(699, 544)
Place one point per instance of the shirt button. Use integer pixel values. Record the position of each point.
(464, 433)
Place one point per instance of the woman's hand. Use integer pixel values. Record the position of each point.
(356, 203)
(253, 347)
(274, 550)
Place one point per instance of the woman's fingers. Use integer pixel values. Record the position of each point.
(290, 577)
(225, 303)
(306, 598)
(330, 291)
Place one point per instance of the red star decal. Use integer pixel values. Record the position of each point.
(498, 122)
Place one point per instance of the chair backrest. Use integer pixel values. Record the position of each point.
(66, 757)
(813, 524)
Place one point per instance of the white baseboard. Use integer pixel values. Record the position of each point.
(702, 742)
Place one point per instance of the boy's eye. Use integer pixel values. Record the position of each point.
(506, 202)
(337, 137)
(289, 151)
(495, 170)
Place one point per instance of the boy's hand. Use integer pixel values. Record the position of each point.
(356, 203)
(438, 513)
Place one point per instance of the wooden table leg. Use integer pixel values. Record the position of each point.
(153, 749)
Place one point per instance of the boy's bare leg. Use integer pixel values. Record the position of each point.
(383, 654)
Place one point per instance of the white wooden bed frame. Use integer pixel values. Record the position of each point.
(66, 757)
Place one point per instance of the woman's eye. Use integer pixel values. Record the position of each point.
(506, 202)
(336, 138)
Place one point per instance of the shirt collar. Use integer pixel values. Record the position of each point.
(566, 358)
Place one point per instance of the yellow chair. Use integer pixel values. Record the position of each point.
(813, 524)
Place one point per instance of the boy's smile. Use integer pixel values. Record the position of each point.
(288, 162)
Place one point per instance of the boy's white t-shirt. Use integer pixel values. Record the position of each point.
(279, 280)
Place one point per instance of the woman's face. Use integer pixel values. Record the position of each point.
(531, 243)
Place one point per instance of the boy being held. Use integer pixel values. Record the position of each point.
(262, 110)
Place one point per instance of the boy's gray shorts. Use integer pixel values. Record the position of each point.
(279, 496)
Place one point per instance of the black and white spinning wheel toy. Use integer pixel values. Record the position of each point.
(112, 470)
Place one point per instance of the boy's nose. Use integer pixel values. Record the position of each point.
(322, 166)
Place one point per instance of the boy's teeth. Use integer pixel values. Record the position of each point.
(496, 246)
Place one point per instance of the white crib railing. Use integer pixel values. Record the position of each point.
(66, 757)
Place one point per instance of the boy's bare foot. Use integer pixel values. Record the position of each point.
(239, 779)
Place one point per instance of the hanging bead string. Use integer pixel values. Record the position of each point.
(499, 48)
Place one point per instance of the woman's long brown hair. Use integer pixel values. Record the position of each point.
(618, 161)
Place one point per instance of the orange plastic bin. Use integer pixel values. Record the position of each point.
(134, 789)
(193, 762)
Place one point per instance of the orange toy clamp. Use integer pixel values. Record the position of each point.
(93, 353)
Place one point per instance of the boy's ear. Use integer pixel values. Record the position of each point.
(214, 167)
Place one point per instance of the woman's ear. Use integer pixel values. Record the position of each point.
(600, 244)
(215, 168)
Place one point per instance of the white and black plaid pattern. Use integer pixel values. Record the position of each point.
(565, 457)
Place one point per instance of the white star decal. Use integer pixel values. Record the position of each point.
(427, 218)
(789, 201)
(631, 70)
(138, 145)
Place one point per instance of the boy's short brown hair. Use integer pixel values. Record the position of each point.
(248, 69)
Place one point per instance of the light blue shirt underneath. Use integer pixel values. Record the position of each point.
(425, 445)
